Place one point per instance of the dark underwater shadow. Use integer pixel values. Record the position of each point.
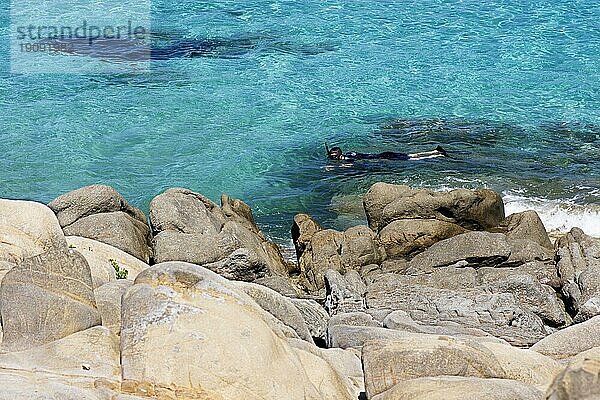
(165, 46)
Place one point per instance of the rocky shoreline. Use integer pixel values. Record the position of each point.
(441, 296)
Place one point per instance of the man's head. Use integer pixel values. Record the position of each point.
(335, 153)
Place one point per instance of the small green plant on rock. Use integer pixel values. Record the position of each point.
(120, 272)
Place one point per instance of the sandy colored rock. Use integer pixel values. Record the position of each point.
(580, 380)
(27, 229)
(277, 305)
(570, 341)
(460, 388)
(179, 318)
(346, 362)
(18, 385)
(99, 212)
(46, 298)
(83, 358)
(387, 363)
(108, 301)
(525, 366)
(99, 256)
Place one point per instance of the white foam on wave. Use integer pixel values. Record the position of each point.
(557, 215)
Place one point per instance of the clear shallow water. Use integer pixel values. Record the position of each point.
(510, 88)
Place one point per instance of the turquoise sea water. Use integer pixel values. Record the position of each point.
(510, 88)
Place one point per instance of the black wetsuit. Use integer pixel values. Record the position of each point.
(386, 155)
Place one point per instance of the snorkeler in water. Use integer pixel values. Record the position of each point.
(335, 153)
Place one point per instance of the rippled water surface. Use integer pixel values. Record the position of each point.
(510, 88)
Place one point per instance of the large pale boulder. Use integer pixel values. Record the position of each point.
(277, 305)
(46, 298)
(524, 365)
(580, 380)
(188, 333)
(27, 229)
(87, 359)
(460, 388)
(99, 212)
(108, 301)
(189, 227)
(471, 209)
(570, 341)
(102, 259)
(346, 362)
(18, 385)
(387, 363)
